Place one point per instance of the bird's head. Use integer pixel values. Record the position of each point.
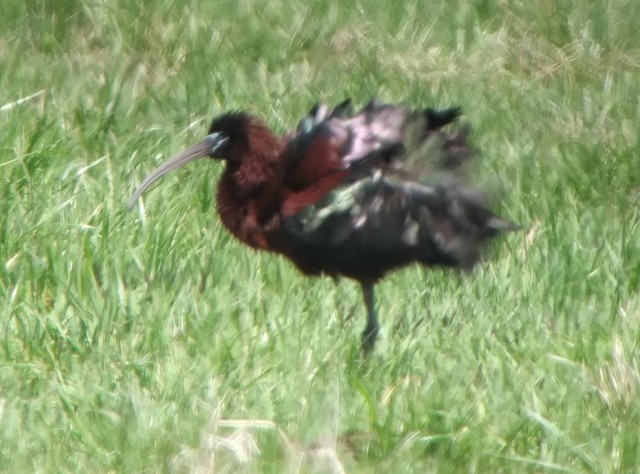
(228, 138)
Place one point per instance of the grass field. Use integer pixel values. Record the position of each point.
(151, 341)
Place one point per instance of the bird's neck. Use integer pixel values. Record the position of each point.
(243, 178)
(247, 193)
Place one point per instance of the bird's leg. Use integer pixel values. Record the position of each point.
(372, 328)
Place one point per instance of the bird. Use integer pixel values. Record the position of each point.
(349, 194)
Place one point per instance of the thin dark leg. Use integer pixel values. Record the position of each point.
(372, 328)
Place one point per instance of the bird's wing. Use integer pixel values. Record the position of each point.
(383, 219)
(381, 186)
(335, 146)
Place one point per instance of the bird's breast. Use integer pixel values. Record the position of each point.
(241, 217)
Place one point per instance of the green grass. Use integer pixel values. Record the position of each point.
(151, 341)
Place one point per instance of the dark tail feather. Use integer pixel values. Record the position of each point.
(320, 112)
(439, 118)
(314, 109)
(459, 222)
(496, 226)
(343, 109)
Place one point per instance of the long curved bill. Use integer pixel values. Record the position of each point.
(207, 147)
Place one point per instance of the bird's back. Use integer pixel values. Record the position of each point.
(369, 192)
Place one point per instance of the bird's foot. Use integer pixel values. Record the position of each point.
(369, 336)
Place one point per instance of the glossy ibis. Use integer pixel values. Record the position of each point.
(349, 194)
